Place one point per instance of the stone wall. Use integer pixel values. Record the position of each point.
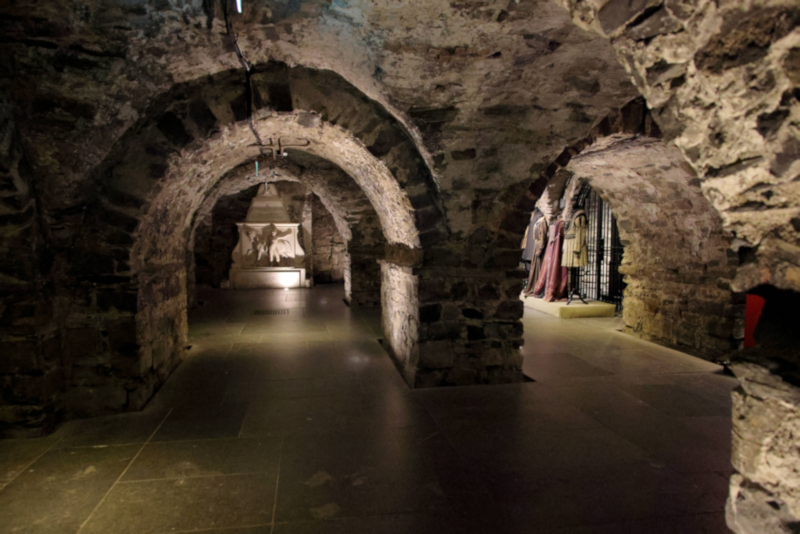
(451, 326)
(363, 278)
(216, 236)
(677, 264)
(765, 490)
(31, 377)
(400, 317)
(328, 249)
(469, 327)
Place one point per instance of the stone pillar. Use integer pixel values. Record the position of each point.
(765, 491)
(306, 230)
(120, 348)
(365, 279)
(470, 328)
(453, 326)
(400, 317)
(31, 378)
(348, 280)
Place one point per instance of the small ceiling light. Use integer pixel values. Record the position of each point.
(239, 5)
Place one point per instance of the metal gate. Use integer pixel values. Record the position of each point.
(600, 279)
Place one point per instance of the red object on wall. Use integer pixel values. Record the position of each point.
(752, 314)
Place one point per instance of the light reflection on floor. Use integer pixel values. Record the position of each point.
(299, 423)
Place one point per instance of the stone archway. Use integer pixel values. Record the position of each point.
(128, 262)
(353, 214)
(723, 82)
(675, 242)
(676, 263)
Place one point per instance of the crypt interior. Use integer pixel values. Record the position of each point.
(390, 266)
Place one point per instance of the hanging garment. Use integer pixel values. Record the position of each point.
(574, 250)
(538, 247)
(552, 283)
(528, 240)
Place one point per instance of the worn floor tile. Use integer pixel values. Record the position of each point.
(185, 504)
(616, 436)
(59, 491)
(183, 459)
(17, 454)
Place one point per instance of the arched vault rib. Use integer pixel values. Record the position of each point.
(191, 175)
(676, 261)
(341, 196)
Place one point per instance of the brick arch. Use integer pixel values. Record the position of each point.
(723, 81)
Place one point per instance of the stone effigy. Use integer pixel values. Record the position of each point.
(268, 254)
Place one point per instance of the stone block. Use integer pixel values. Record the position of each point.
(80, 342)
(28, 389)
(444, 330)
(475, 333)
(509, 310)
(472, 313)
(459, 290)
(90, 401)
(463, 374)
(488, 292)
(503, 375)
(24, 421)
(751, 509)
(122, 336)
(427, 378)
(430, 313)
(436, 355)
(141, 393)
(123, 301)
(18, 357)
(450, 312)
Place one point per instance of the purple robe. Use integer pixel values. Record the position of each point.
(552, 282)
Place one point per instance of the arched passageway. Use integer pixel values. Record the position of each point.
(468, 111)
(676, 263)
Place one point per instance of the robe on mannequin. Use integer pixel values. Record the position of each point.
(537, 243)
(574, 250)
(552, 282)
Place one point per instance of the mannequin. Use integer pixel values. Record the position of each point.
(552, 281)
(574, 253)
(536, 243)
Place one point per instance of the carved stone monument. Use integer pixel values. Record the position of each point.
(268, 254)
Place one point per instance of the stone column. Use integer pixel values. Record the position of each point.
(365, 278)
(765, 491)
(31, 378)
(452, 326)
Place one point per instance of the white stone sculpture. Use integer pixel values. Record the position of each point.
(268, 254)
(280, 247)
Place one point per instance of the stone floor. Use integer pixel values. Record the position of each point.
(299, 423)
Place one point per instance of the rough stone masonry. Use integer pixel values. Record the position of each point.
(121, 123)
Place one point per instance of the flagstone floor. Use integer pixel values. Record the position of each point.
(299, 423)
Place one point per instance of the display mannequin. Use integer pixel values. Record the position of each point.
(552, 281)
(536, 244)
(574, 253)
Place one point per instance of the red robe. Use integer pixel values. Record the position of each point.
(552, 282)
